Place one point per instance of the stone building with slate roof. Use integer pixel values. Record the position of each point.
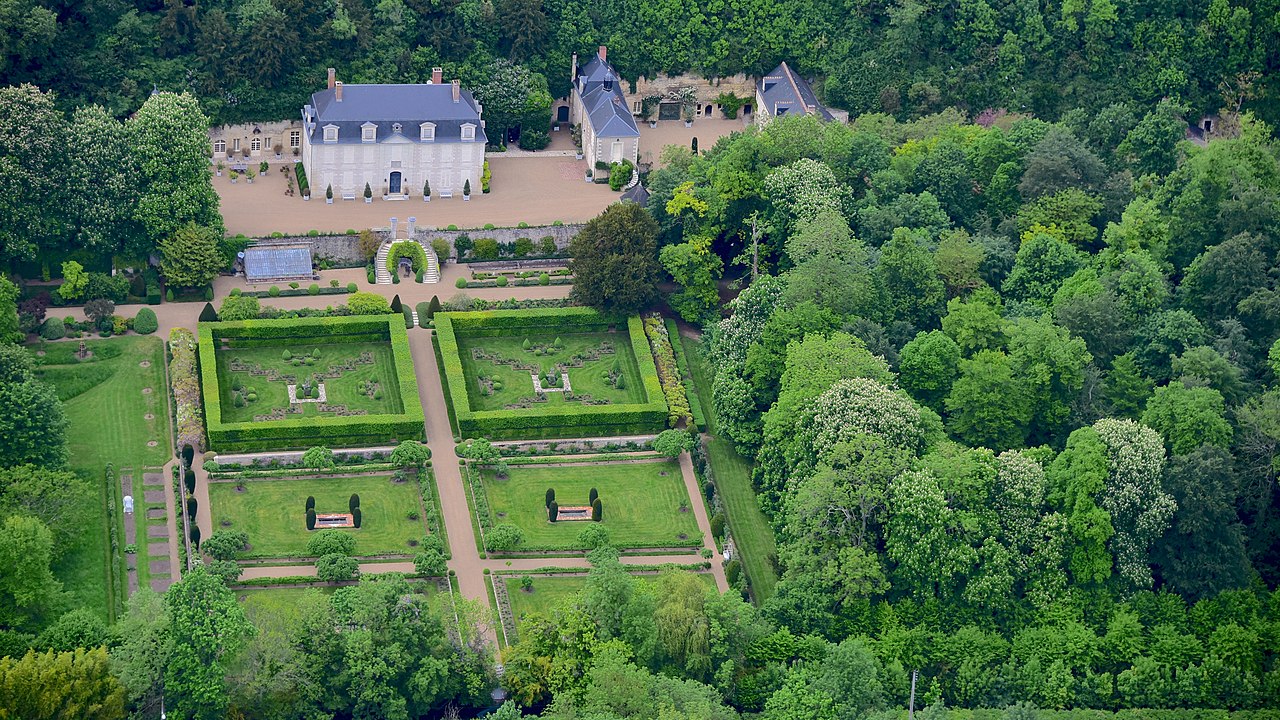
(393, 137)
(783, 92)
(598, 105)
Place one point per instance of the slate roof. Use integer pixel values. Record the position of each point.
(387, 105)
(277, 262)
(786, 93)
(601, 91)
(636, 194)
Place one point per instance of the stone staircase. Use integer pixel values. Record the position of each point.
(381, 277)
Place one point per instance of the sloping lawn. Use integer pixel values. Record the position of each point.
(107, 411)
(640, 502)
(273, 512)
(751, 531)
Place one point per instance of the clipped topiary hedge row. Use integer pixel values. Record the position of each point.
(560, 420)
(352, 430)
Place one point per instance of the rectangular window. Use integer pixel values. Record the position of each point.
(220, 146)
(635, 107)
(428, 132)
(368, 134)
(235, 145)
(331, 134)
(295, 138)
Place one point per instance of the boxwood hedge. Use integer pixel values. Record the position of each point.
(348, 431)
(551, 421)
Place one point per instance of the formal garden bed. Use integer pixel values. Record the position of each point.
(567, 372)
(642, 505)
(273, 512)
(271, 384)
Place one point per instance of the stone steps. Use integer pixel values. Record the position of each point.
(381, 276)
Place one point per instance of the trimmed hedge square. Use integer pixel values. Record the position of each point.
(551, 420)
(352, 430)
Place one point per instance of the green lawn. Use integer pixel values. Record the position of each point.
(551, 592)
(352, 389)
(751, 531)
(641, 506)
(107, 412)
(507, 385)
(272, 512)
(258, 604)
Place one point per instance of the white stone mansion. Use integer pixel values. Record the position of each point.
(393, 137)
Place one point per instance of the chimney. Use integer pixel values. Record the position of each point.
(333, 76)
(603, 52)
(457, 90)
(337, 91)
(437, 75)
(573, 70)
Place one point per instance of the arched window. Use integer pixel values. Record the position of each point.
(255, 144)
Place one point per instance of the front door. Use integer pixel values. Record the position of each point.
(562, 114)
(395, 183)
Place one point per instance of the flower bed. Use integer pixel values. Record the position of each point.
(186, 389)
(668, 371)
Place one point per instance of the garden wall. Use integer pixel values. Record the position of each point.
(345, 250)
(562, 233)
(337, 249)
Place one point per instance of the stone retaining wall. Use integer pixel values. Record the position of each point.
(562, 233)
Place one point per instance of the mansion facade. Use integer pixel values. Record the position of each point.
(394, 138)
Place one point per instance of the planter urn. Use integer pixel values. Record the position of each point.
(368, 201)
(328, 201)
(426, 198)
(466, 198)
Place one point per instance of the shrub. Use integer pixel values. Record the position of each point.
(466, 186)
(313, 289)
(351, 287)
(534, 139)
(311, 519)
(671, 443)
(195, 535)
(211, 466)
(239, 307)
(503, 537)
(544, 279)
(523, 246)
(486, 249)
(192, 506)
(593, 536)
(461, 283)
(326, 542)
(336, 567)
(273, 291)
(430, 562)
(311, 502)
(410, 453)
(551, 497)
(502, 281)
(434, 307)
(406, 249)
(367, 303)
(597, 511)
(145, 323)
(547, 245)
(717, 525)
(353, 502)
(440, 247)
(355, 517)
(396, 306)
(168, 296)
(225, 544)
(190, 481)
(553, 511)
(53, 329)
(207, 314)
(591, 496)
(293, 286)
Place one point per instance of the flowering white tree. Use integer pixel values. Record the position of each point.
(1140, 509)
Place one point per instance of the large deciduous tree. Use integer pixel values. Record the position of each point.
(51, 685)
(170, 143)
(696, 269)
(615, 260)
(29, 593)
(513, 95)
(102, 185)
(206, 628)
(1202, 553)
(31, 153)
(31, 419)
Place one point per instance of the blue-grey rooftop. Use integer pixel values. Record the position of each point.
(389, 105)
(786, 93)
(277, 262)
(601, 91)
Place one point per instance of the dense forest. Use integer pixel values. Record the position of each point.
(260, 59)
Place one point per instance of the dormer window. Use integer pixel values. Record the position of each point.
(331, 133)
(428, 132)
(368, 133)
(468, 132)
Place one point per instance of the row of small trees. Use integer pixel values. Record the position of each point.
(353, 505)
(593, 499)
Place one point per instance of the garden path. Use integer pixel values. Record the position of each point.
(696, 497)
(204, 515)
